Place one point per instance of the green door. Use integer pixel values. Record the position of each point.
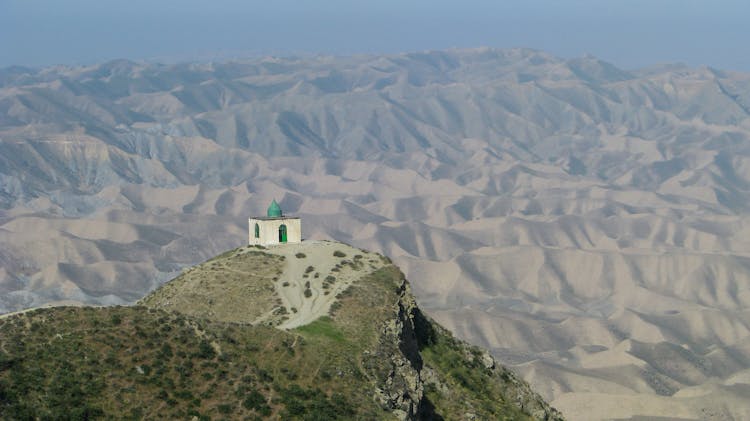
(282, 233)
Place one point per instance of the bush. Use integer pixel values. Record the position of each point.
(335, 307)
(166, 352)
(308, 293)
(185, 395)
(254, 400)
(339, 253)
(205, 350)
(264, 376)
(300, 255)
(225, 408)
(314, 404)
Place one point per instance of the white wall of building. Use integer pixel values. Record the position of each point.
(269, 230)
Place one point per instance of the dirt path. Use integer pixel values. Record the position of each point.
(313, 276)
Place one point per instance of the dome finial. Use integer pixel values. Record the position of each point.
(274, 210)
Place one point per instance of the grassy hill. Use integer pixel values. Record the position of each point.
(209, 345)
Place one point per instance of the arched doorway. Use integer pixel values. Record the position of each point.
(282, 233)
(257, 231)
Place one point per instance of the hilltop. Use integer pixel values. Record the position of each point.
(297, 284)
(299, 331)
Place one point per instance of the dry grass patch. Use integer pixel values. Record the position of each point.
(236, 286)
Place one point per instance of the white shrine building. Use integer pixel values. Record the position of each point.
(274, 228)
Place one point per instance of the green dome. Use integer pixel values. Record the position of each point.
(274, 211)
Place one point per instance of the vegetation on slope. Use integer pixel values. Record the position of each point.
(240, 279)
(135, 362)
(463, 379)
(363, 361)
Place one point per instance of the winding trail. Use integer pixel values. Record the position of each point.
(297, 278)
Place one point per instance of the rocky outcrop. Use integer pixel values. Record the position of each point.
(399, 386)
(402, 380)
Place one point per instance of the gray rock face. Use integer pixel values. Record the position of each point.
(581, 221)
(402, 386)
(401, 389)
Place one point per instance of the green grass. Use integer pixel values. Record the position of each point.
(323, 327)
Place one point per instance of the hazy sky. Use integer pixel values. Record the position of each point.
(628, 33)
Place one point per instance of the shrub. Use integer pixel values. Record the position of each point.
(225, 408)
(254, 400)
(339, 253)
(300, 255)
(314, 404)
(308, 293)
(309, 269)
(166, 351)
(335, 306)
(205, 350)
(184, 394)
(264, 376)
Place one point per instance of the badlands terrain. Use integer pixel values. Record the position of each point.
(588, 225)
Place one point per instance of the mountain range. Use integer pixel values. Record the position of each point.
(585, 223)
